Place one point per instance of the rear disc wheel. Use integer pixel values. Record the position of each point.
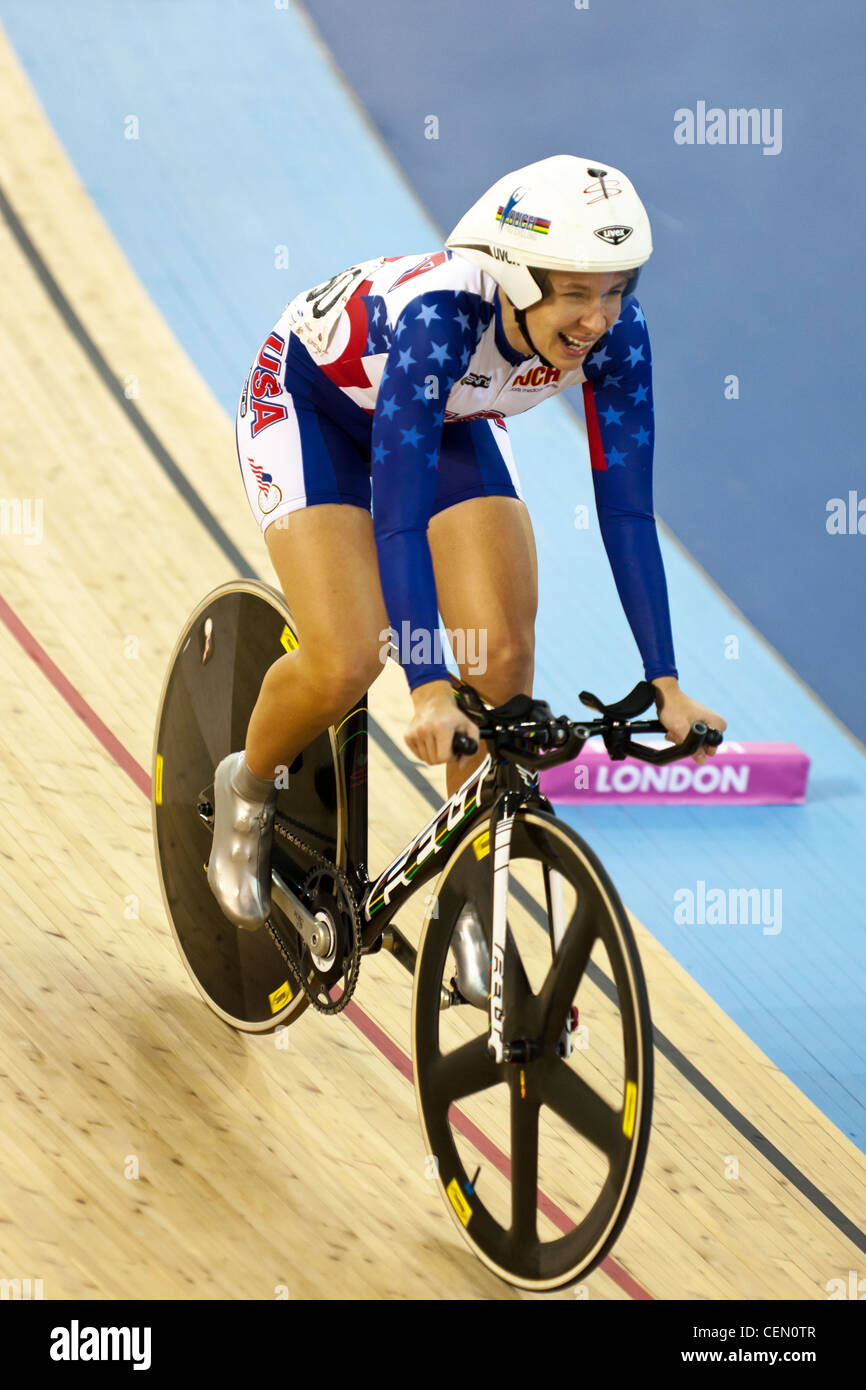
(213, 681)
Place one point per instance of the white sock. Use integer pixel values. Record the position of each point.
(248, 785)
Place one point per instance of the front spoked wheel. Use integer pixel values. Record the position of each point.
(538, 1158)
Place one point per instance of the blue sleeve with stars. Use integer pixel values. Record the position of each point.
(620, 427)
(432, 343)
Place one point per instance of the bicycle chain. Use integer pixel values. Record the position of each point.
(351, 977)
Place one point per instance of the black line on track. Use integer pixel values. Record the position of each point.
(203, 514)
(114, 387)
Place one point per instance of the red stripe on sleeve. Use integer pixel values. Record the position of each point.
(593, 432)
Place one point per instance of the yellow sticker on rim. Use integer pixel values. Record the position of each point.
(458, 1201)
(481, 844)
(629, 1109)
(288, 639)
(157, 781)
(280, 997)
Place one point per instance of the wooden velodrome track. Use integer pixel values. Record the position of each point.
(260, 1169)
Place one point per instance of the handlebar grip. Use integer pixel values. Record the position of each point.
(711, 738)
(694, 739)
(462, 744)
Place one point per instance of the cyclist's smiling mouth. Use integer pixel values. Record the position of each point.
(575, 347)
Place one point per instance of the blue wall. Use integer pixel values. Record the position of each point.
(756, 266)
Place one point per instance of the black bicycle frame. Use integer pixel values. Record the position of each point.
(422, 858)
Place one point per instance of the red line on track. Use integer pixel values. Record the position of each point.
(362, 1021)
(494, 1155)
(74, 700)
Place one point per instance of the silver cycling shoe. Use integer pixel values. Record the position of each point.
(469, 945)
(239, 869)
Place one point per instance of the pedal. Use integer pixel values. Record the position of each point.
(450, 996)
(205, 807)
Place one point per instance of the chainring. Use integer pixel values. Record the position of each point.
(327, 894)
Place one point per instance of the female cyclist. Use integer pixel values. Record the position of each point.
(388, 387)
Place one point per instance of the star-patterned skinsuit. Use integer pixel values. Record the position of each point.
(406, 358)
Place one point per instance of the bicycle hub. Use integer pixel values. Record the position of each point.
(520, 1051)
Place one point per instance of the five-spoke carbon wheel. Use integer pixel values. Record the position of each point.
(538, 1158)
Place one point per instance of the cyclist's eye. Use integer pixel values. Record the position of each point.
(579, 294)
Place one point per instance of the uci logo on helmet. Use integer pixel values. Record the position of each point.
(614, 236)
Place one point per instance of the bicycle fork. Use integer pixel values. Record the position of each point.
(523, 1050)
(500, 833)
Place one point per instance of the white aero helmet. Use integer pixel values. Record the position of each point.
(562, 213)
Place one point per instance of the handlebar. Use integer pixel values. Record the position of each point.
(462, 744)
(522, 727)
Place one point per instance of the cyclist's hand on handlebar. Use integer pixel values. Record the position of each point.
(437, 719)
(677, 711)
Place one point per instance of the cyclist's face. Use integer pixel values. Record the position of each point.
(575, 313)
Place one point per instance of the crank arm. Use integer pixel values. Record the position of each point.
(403, 951)
(316, 934)
(395, 942)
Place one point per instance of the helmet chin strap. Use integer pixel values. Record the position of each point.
(520, 317)
(520, 320)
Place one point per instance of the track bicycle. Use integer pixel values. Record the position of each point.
(535, 1104)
